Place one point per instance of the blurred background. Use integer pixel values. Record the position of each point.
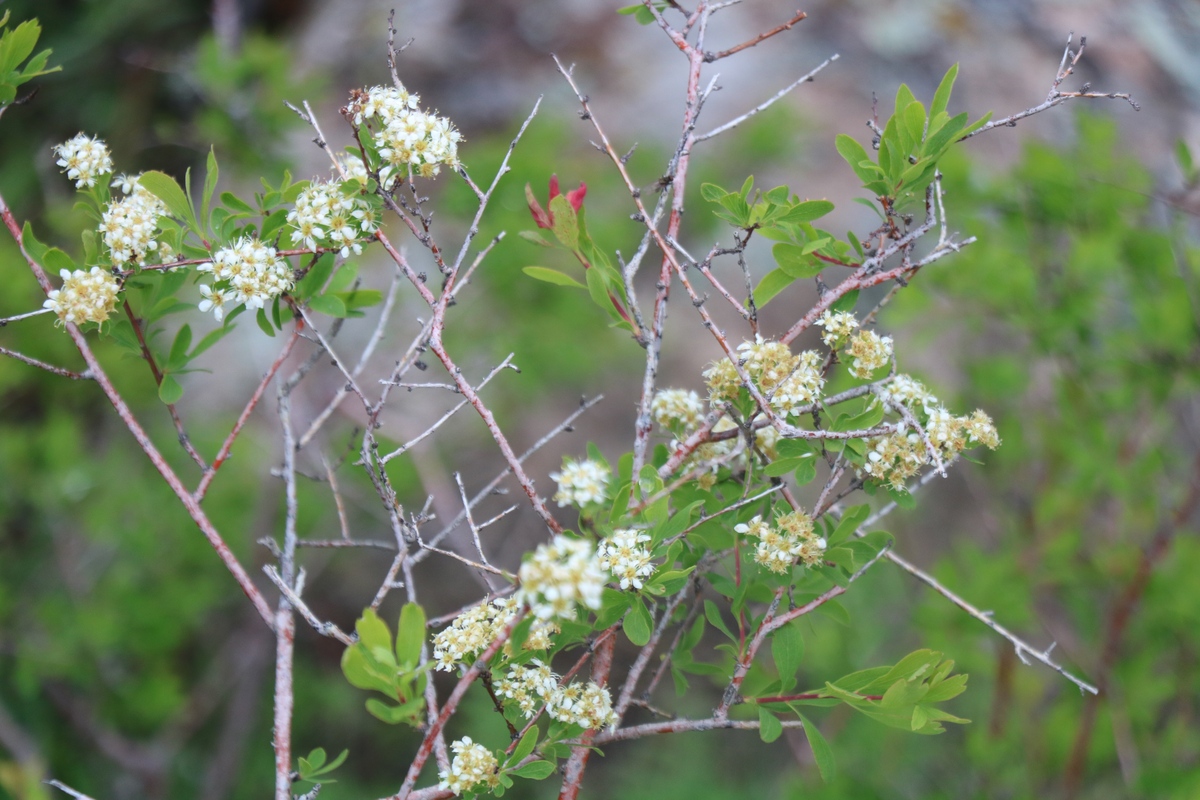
(130, 667)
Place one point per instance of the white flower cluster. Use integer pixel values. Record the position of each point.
(407, 138)
(893, 459)
(325, 216)
(838, 327)
(473, 764)
(790, 381)
(559, 575)
(473, 630)
(870, 351)
(789, 540)
(84, 159)
(84, 297)
(588, 705)
(129, 224)
(581, 483)
(908, 391)
(251, 272)
(677, 407)
(624, 556)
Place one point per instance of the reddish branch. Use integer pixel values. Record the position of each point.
(787, 26)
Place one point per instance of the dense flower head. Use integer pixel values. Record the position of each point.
(407, 138)
(129, 224)
(473, 764)
(908, 391)
(325, 216)
(529, 685)
(588, 705)
(790, 381)
(473, 630)
(870, 351)
(581, 483)
(893, 459)
(625, 557)
(560, 575)
(84, 158)
(250, 272)
(838, 327)
(782, 544)
(84, 297)
(677, 407)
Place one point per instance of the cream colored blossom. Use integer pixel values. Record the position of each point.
(473, 630)
(625, 557)
(84, 297)
(838, 327)
(581, 483)
(559, 576)
(129, 225)
(84, 158)
(870, 351)
(677, 407)
(473, 764)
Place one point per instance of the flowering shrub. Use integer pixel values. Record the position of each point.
(712, 528)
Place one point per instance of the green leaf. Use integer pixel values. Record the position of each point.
(796, 261)
(315, 279)
(713, 615)
(273, 223)
(914, 121)
(787, 649)
(807, 211)
(638, 623)
(854, 516)
(565, 226)
(328, 304)
(410, 634)
(855, 155)
(535, 770)
(712, 193)
(264, 324)
(941, 98)
(315, 760)
(239, 206)
(407, 713)
(56, 260)
(822, 753)
(772, 284)
(373, 632)
(524, 747)
(210, 185)
(806, 470)
(552, 276)
(177, 360)
(783, 466)
(169, 391)
(613, 605)
(769, 726)
(167, 189)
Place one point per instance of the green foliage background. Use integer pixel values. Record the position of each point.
(1072, 321)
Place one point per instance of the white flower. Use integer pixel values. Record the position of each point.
(870, 352)
(473, 764)
(325, 216)
(677, 407)
(84, 297)
(559, 576)
(129, 225)
(838, 327)
(588, 705)
(581, 483)
(252, 272)
(213, 301)
(529, 685)
(407, 138)
(788, 540)
(473, 630)
(84, 159)
(623, 555)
